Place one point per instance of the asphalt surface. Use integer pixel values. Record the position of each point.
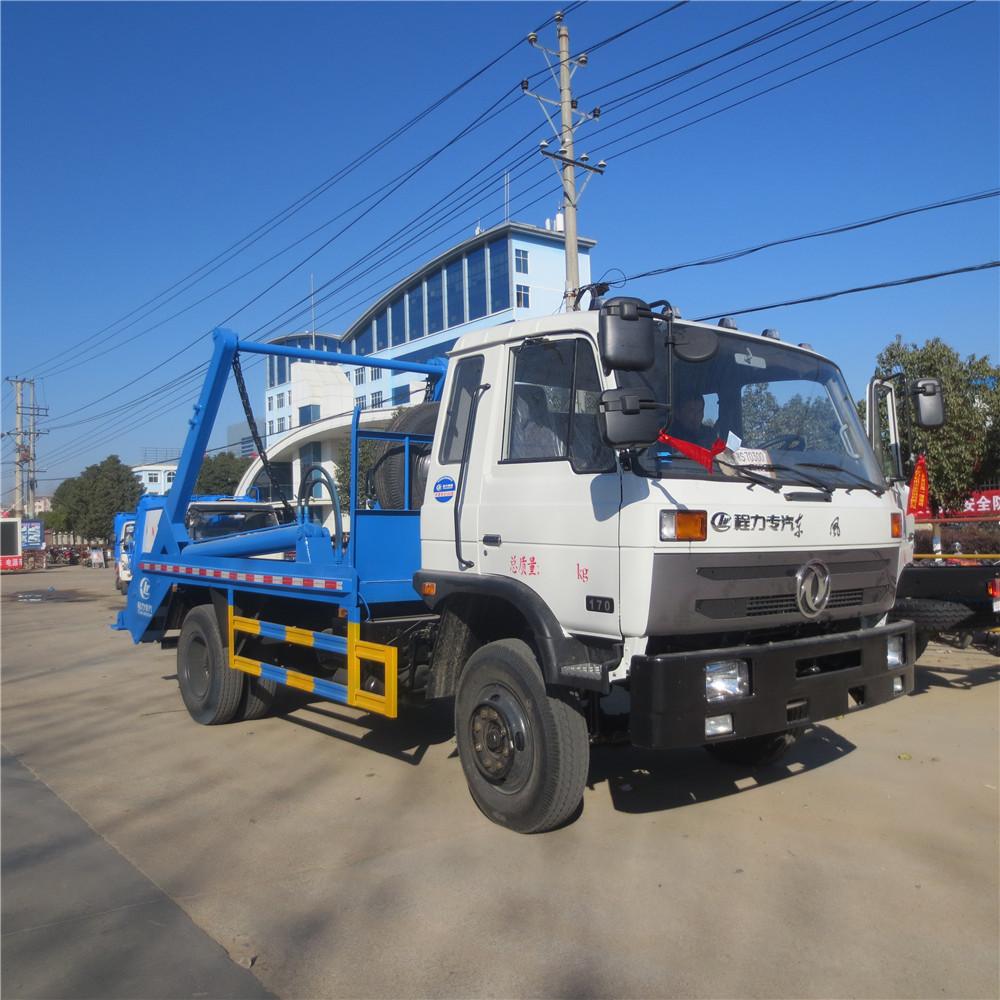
(333, 854)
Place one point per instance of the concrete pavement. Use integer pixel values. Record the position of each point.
(344, 852)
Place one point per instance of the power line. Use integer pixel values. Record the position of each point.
(193, 374)
(311, 195)
(76, 362)
(852, 291)
(794, 79)
(833, 230)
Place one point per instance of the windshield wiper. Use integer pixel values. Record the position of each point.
(866, 484)
(744, 472)
(804, 479)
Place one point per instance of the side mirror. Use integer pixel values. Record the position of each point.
(692, 343)
(629, 418)
(626, 335)
(928, 402)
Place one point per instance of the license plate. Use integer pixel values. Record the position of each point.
(753, 456)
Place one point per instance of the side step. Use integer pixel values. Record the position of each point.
(356, 650)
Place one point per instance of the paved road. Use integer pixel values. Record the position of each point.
(343, 855)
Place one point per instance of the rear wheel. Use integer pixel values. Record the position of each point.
(525, 753)
(755, 751)
(259, 696)
(211, 689)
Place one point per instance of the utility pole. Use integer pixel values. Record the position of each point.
(25, 467)
(18, 447)
(565, 158)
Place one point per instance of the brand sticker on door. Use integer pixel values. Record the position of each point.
(444, 489)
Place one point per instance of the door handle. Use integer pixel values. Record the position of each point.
(491, 540)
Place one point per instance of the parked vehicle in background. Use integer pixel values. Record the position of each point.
(124, 528)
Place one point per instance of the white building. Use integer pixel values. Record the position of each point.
(156, 479)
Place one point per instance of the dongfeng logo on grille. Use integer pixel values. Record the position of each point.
(812, 588)
(144, 588)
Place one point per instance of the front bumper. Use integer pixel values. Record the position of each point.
(669, 706)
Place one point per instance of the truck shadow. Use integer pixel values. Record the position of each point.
(949, 677)
(642, 781)
(406, 738)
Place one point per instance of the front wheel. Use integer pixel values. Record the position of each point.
(525, 753)
(211, 689)
(755, 751)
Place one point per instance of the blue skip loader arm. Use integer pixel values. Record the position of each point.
(162, 545)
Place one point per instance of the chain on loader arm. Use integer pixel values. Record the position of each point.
(258, 444)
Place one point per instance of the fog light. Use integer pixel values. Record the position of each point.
(726, 679)
(718, 725)
(897, 685)
(894, 651)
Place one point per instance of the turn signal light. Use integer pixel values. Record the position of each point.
(683, 525)
(993, 588)
(897, 525)
(428, 589)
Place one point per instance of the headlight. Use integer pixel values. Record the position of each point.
(894, 649)
(726, 679)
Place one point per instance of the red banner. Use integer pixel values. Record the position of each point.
(980, 503)
(919, 503)
(11, 562)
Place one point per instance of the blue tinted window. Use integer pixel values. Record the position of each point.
(397, 332)
(363, 342)
(307, 414)
(435, 313)
(455, 277)
(400, 395)
(282, 375)
(476, 264)
(381, 331)
(415, 297)
(499, 276)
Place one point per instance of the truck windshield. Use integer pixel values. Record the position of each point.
(214, 522)
(781, 412)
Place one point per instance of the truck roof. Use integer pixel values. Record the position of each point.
(585, 322)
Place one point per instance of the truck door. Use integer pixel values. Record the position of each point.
(550, 490)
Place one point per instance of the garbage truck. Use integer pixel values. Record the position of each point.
(598, 509)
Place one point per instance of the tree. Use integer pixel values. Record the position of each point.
(87, 504)
(221, 473)
(965, 452)
(369, 453)
(65, 503)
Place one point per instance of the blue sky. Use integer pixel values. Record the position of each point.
(141, 140)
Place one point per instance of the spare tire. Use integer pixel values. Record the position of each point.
(388, 471)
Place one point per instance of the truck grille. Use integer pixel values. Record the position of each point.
(784, 604)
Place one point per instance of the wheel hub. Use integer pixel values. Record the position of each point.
(196, 668)
(499, 739)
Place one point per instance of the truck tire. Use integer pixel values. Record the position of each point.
(259, 695)
(928, 615)
(211, 689)
(755, 751)
(525, 753)
(388, 471)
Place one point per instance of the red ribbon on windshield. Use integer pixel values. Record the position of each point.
(703, 456)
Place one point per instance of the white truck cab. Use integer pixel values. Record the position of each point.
(702, 524)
